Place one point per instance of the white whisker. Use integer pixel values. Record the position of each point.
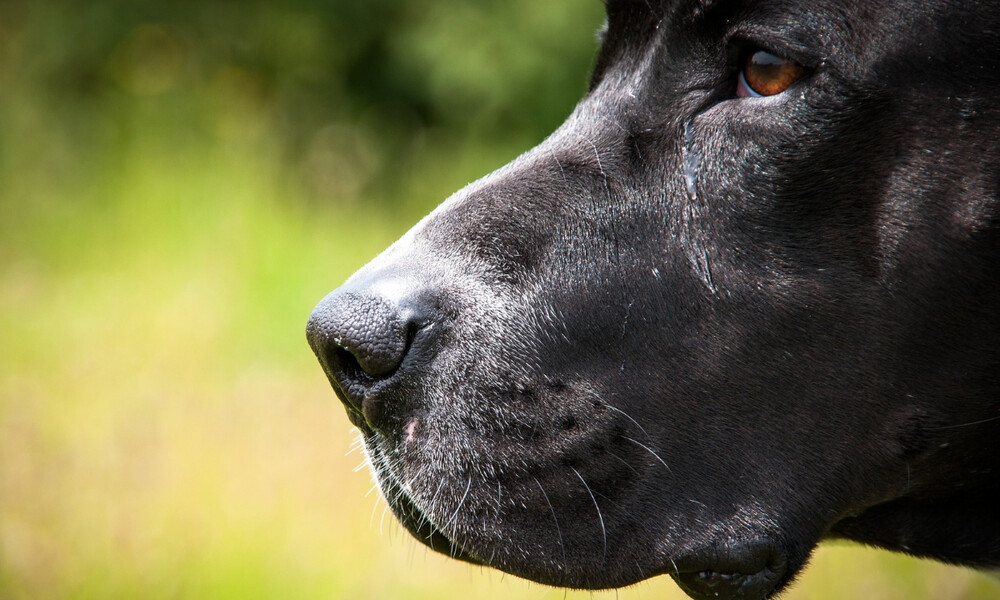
(552, 510)
(381, 521)
(623, 461)
(651, 451)
(460, 503)
(965, 424)
(629, 417)
(600, 517)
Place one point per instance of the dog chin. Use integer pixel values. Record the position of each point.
(414, 519)
(465, 533)
(747, 570)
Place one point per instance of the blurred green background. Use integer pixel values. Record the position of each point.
(179, 184)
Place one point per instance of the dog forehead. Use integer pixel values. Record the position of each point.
(854, 20)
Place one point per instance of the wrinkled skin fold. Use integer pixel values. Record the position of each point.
(695, 334)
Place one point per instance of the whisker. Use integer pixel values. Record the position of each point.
(381, 521)
(623, 461)
(371, 520)
(651, 451)
(431, 505)
(627, 416)
(460, 503)
(559, 163)
(357, 444)
(965, 424)
(610, 501)
(552, 510)
(600, 517)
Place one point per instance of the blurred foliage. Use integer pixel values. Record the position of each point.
(348, 92)
(179, 184)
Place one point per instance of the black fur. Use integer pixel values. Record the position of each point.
(696, 334)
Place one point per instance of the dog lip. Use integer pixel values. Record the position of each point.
(357, 418)
(745, 572)
(715, 585)
(379, 406)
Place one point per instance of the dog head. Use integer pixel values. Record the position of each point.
(744, 298)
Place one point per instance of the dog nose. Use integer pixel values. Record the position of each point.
(365, 328)
(361, 338)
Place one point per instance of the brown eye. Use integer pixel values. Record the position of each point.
(764, 74)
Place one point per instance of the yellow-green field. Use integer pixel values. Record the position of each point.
(165, 431)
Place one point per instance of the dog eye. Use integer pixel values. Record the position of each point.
(764, 74)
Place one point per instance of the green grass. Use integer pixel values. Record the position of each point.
(164, 429)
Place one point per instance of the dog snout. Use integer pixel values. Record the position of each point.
(361, 337)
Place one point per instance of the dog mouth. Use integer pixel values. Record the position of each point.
(532, 521)
(740, 571)
(454, 510)
(714, 585)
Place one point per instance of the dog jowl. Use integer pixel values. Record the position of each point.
(746, 298)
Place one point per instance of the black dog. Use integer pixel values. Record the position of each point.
(746, 298)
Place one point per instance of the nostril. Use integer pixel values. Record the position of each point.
(360, 339)
(346, 363)
(377, 353)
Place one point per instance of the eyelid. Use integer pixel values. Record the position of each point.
(748, 37)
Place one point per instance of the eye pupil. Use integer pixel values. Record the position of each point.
(766, 74)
